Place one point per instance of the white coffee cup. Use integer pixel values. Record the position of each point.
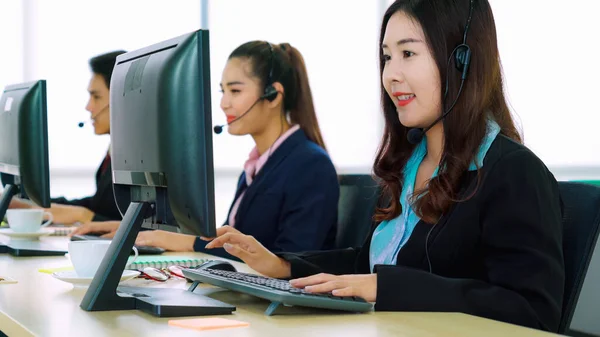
(86, 256)
(27, 220)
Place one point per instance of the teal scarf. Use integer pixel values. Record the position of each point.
(391, 235)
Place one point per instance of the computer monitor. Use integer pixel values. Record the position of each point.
(161, 133)
(161, 152)
(24, 168)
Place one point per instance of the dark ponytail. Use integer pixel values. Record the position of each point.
(289, 70)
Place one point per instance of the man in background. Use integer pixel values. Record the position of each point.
(101, 206)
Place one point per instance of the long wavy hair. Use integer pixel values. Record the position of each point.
(443, 23)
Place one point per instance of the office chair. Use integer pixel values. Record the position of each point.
(359, 194)
(581, 222)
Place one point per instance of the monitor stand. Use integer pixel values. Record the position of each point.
(103, 295)
(33, 248)
(24, 247)
(10, 191)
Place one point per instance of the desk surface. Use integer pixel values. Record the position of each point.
(41, 305)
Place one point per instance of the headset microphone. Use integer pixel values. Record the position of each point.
(414, 136)
(82, 123)
(219, 128)
(269, 95)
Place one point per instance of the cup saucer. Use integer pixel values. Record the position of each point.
(70, 276)
(26, 235)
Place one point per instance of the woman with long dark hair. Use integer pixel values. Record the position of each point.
(474, 219)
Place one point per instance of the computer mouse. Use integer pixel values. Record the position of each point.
(217, 265)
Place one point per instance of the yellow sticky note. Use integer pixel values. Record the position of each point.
(55, 270)
(207, 323)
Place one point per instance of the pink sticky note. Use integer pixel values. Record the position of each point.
(207, 323)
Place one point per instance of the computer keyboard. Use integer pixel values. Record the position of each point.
(275, 290)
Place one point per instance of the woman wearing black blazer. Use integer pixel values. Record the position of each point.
(288, 192)
(474, 222)
(101, 206)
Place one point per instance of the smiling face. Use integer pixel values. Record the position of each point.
(410, 75)
(240, 91)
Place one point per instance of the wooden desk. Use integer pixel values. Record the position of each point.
(40, 305)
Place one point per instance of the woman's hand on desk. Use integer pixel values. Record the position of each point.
(175, 242)
(63, 214)
(364, 285)
(252, 252)
(19, 203)
(69, 214)
(105, 229)
(156, 238)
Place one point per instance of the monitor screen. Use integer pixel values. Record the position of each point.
(161, 133)
(24, 167)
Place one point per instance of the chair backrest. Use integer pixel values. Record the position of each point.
(359, 194)
(584, 322)
(581, 222)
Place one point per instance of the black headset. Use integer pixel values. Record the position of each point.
(463, 51)
(270, 92)
(462, 59)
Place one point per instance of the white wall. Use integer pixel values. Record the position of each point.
(11, 43)
(549, 52)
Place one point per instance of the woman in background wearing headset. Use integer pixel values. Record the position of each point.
(288, 193)
(474, 225)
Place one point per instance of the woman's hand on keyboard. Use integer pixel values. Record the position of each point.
(252, 252)
(221, 231)
(105, 229)
(364, 285)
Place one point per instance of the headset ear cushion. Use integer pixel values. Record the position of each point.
(270, 93)
(461, 57)
(463, 60)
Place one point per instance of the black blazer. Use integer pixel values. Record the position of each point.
(497, 255)
(102, 203)
(291, 205)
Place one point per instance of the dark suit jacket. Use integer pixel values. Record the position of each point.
(102, 203)
(291, 204)
(497, 255)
